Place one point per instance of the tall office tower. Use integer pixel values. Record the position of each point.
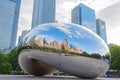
(9, 14)
(101, 29)
(85, 16)
(43, 12)
(24, 32)
(19, 41)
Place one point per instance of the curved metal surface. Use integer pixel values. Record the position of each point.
(70, 48)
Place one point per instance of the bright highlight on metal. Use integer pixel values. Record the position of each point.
(70, 48)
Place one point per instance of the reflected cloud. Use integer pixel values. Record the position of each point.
(66, 38)
(65, 29)
(79, 35)
(52, 44)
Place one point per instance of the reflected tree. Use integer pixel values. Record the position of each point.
(95, 55)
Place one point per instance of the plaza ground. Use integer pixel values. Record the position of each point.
(30, 77)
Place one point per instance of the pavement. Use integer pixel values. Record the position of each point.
(30, 77)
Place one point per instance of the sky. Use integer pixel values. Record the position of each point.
(107, 10)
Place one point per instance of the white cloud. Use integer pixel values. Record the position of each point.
(64, 29)
(25, 15)
(111, 15)
(113, 35)
(63, 13)
(64, 7)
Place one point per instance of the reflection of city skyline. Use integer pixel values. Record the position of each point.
(47, 41)
(42, 42)
(80, 43)
(52, 9)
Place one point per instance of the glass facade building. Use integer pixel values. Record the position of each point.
(101, 29)
(85, 16)
(43, 12)
(9, 14)
(24, 32)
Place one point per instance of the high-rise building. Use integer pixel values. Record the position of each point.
(85, 16)
(43, 12)
(24, 32)
(19, 41)
(101, 29)
(9, 14)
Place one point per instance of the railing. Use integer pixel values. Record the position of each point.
(113, 74)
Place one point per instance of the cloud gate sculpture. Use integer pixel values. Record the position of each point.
(70, 48)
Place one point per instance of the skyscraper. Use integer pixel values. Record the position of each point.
(9, 14)
(43, 12)
(85, 16)
(24, 32)
(101, 29)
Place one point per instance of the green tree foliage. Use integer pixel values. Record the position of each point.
(9, 62)
(5, 68)
(13, 59)
(1, 57)
(95, 55)
(115, 57)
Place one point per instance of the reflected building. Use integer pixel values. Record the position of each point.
(84, 16)
(72, 46)
(55, 44)
(43, 12)
(42, 42)
(9, 14)
(64, 45)
(24, 32)
(85, 57)
(101, 29)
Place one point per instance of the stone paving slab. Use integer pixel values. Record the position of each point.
(30, 77)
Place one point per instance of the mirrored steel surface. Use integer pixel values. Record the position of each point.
(70, 48)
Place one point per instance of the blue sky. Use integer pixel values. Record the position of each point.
(79, 36)
(107, 10)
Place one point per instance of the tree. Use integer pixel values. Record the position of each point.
(115, 57)
(95, 55)
(13, 59)
(5, 68)
(1, 57)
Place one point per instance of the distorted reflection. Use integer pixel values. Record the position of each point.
(66, 38)
(71, 45)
